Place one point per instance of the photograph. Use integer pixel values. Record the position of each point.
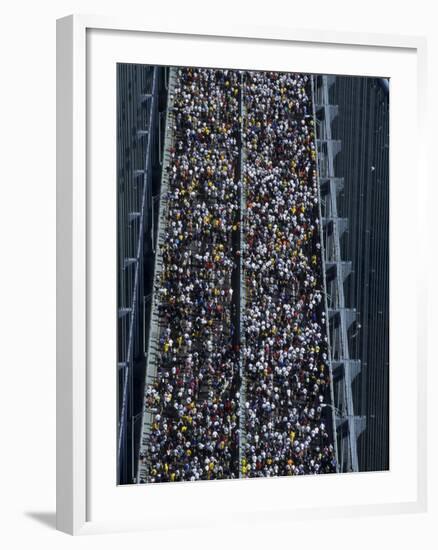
(252, 274)
(212, 334)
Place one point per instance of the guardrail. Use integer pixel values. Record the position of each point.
(154, 331)
(132, 309)
(324, 278)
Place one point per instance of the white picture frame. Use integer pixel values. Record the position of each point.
(75, 470)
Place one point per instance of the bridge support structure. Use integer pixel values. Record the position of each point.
(340, 319)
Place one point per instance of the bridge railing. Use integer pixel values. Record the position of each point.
(343, 369)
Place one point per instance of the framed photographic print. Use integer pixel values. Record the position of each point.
(234, 335)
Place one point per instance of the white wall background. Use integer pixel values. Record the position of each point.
(27, 272)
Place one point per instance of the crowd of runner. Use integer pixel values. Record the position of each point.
(197, 426)
(194, 429)
(285, 358)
